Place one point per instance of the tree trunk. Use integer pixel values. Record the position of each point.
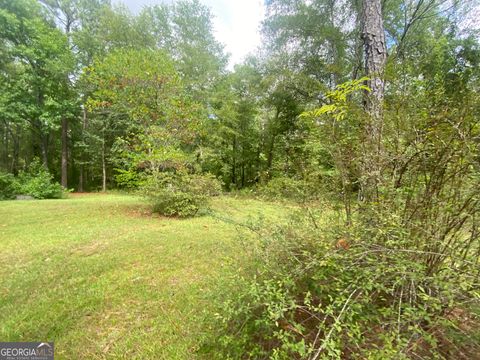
(64, 180)
(271, 145)
(271, 148)
(45, 150)
(234, 161)
(104, 168)
(373, 35)
(81, 178)
(16, 150)
(243, 173)
(358, 43)
(5, 145)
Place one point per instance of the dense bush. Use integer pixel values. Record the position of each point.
(128, 179)
(288, 188)
(179, 194)
(313, 293)
(206, 184)
(37, 182)
(8, 186)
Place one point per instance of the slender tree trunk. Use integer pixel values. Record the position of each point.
(234, 161)
(44, 134)
(258, 166)
(242, 168)
(332, 54)
(358, 43)
(104, 174)
(373, 34)
(16, 150)
(243, 173)
(104, 168)
(45, 150)
(5, 145)
(271, 147)
(81, 178)
(64, 180)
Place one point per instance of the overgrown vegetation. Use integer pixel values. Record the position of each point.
(317, 294)
(179, 194)
(38, 183)
(363, 113)
(35, 181)
(8, 186)
(288, 188)
(385, 280)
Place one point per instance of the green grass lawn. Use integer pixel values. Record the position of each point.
(103, 278)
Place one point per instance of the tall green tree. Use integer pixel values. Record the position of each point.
(71, 16)
(232, 147)
(184, 29)
(42, 53)
(141, 108)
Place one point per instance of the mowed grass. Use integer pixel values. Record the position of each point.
(105, 279)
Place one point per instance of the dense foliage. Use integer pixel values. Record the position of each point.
(179, 194)
(364, 112)
(384, 281)
(35, 182)
(8, 186)
(38, 183)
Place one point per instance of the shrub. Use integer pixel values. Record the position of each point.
(179, 194)
(314, 293)
(38, 183)
(8, 186)
(128, 179)
(286, 188)
(206, 184)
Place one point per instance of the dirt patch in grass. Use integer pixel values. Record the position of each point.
(89, 249)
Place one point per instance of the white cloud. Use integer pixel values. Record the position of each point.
(237, 25)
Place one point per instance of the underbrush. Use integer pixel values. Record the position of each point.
(179, 194)
(298, 190)
(35, 181)
(315, 292)
(8, 186)
(286, 188)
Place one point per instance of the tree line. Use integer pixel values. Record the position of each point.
(99, 94)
